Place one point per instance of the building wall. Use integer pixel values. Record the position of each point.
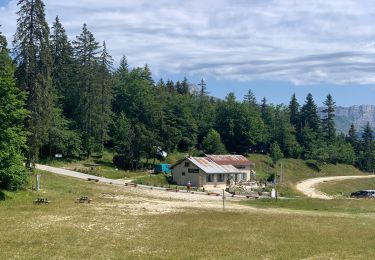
(247, 170)
(181, 174)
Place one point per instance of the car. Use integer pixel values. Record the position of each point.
(363, 194)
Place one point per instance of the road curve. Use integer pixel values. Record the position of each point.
(307, 187)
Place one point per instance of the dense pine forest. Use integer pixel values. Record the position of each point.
(62, 96)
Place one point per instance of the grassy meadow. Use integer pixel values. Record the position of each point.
(342, 189)
(131, 224)
(296, 170)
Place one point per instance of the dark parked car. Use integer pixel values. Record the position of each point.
(363, 194)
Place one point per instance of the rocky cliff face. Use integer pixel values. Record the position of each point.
(359, 115)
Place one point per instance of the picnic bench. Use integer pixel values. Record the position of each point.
(41, 201)
(131, 184)
(172, 190)
(92, 179)
(213, 194)
(84, 199)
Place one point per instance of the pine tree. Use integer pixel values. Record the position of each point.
(250, 98)
(148, 75)
(367, 137)
(353, 138)
(329, 120)
(105, 95)
(203, 91)
(185, 89)
(294, 112)
(63, 76)
(12, 134)
(33, 59)
(170, 86)
(123, 69)
(309, 115)
(86, 50)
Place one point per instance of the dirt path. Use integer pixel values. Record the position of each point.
(78, 175)
(307, 187)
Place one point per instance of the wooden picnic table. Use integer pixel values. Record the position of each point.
(41, 201)
(84, 199)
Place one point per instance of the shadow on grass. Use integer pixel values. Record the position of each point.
(2, 196)
(104, 163)
(313, 165)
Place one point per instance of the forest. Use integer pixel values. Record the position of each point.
(62, 96)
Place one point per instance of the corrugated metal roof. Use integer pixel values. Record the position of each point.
(209, 166)
(229, 159)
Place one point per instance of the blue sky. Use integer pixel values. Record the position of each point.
(274, 47)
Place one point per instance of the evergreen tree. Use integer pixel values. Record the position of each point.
(86, 50)
(309, 115)
(12, 134)
(250, 98)
(352, 138)
(367, 137)
(123, 69)
(203, 91)
(148, 75)
(212, 143)
(105, 95)
(63, 67)
(170, 86)
(329, 119)
(33, 59)
(294, 112)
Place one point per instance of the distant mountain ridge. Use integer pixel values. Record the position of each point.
(359, 115)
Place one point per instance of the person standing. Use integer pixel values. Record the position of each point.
(188, 186)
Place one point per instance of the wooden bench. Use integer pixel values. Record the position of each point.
(131, 184)
(213, 194)
(41, 201)
(172, 190)
(92, 179)
(84, 199)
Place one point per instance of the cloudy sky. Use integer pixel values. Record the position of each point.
(273, 47)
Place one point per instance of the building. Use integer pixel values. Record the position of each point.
(212, 170)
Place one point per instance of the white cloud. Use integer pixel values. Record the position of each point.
(311, 41)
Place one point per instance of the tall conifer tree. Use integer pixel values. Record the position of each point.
(329, 119)
(63, 68)
(105, 94)
(86, 50)
(33, 59)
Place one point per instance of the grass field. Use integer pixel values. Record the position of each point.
(345, 187)
(132, 224)
(337, 205)
(296, 170)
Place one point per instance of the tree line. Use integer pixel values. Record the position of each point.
(65, 97)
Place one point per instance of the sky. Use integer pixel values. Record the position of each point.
(275, 48)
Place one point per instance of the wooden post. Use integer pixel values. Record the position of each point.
(37, 188)
(223, 199)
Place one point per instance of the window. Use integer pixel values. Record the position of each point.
(210, 178)
(191, 170)
(220, 178)
(183, 174)
(244, 176)
(187, 164)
